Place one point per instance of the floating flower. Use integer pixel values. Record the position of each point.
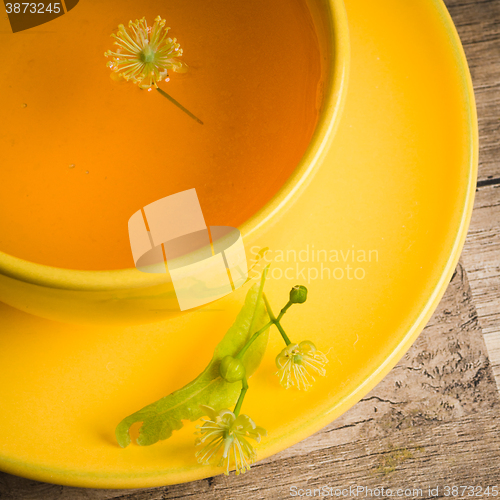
(297, 361)
(144, 53)
(224, 436)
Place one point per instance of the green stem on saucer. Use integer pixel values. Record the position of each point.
(254, 337)
(284, 310)
(244, 389)
(276, 320)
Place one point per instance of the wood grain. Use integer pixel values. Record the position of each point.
(478, 24)
(481, 257)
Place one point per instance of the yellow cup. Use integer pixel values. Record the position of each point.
(129, 296)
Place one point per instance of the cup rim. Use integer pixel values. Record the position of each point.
(338, 52)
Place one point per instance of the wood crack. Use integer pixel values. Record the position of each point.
(488, 182)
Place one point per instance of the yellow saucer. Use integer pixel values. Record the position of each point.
(398, 189)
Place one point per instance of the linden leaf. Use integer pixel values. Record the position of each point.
(161, 418)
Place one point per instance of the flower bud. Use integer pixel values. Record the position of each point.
(298, 294)
(232, 369)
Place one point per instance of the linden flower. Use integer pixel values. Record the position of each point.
(144, 54)
(297, 361)
(226, 435)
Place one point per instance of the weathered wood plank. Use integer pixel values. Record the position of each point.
(493, 345)
(481, 257)
(478, 24)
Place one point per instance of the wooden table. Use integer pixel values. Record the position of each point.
(435, 419)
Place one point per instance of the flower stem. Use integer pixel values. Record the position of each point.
(244, 389)
(276, 320)
(273, 319)
(254, 337)
(269, 310)
(284, 310)
(283, 334)
(179, 105)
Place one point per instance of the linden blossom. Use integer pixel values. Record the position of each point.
(145, 55)
(224, 437)
(310, 254)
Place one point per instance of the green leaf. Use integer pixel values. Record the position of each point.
(160, 419)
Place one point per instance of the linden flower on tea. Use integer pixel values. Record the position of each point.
(224, 437)
(297, 361)
(144, 53)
